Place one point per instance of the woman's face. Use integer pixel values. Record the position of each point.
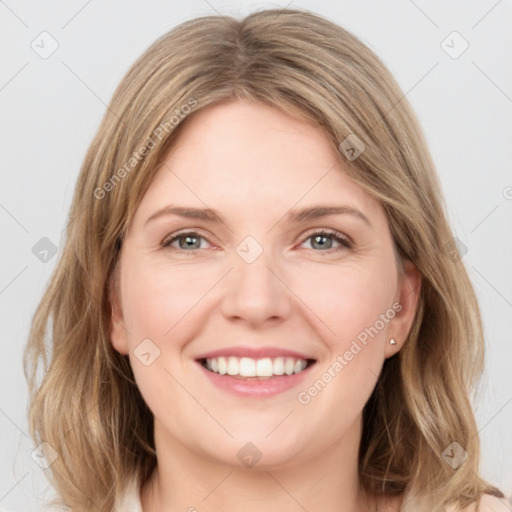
(245, 278)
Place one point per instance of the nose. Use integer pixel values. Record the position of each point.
(255, 293)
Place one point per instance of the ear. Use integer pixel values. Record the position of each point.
(406, 300)
(118, 332)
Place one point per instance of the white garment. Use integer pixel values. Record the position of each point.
(131, 499)
(131, 502)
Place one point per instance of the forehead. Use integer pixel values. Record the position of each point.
(250, 159)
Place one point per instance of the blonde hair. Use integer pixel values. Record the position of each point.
(87, 405)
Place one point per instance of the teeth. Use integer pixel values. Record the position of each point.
(279, 366)
(232, 366)
(223, 365)
(289, 366)
(264, 368)
(247, 367)
(298, 366)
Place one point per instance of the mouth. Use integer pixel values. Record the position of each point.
(247, 368)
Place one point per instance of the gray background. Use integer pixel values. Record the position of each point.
(51, 108)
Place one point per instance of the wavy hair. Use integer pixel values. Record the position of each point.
(84, 401)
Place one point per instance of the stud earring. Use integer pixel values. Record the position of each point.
(392, 341)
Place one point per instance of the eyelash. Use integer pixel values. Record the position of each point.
(344, 241)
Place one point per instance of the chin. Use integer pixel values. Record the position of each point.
(258, 454)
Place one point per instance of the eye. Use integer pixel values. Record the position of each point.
(323, 240)
(191, 241)
(188, 241)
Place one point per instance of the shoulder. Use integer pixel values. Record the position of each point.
(489, 503)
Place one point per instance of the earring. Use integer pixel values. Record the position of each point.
(392, 341)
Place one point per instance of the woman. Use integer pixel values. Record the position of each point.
(259, 304)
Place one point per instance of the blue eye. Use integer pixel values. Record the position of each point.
(319, 239)
(190, 241)
(322, 240)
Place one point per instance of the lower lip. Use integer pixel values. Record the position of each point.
(256, 388)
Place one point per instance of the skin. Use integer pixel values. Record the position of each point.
(253, 164)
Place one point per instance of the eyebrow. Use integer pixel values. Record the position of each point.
(316, 212)
(209, 215)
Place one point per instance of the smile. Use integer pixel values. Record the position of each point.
(247, 367)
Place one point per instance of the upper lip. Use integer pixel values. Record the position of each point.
(254, 353)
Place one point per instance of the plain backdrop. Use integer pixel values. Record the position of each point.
(51, 106)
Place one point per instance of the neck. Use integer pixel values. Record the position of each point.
(186, 480)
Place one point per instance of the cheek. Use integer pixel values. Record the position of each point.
(351, 306)
(159, 303)
(338, 390)
(158, 299)
(351, 302)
